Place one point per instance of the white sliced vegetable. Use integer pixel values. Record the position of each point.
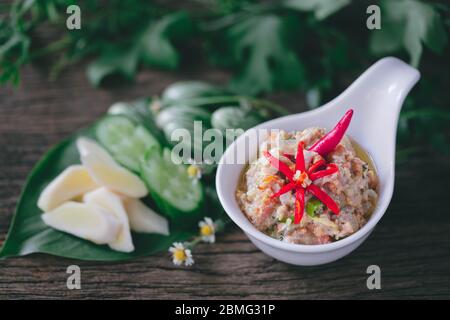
(107, 172)
(70, 184)
(145, 220)
(86, 221)
(112, 203)
(87, 146)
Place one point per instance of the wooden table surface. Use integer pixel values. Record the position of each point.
(411, 244)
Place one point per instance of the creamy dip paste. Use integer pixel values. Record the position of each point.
(353, 188)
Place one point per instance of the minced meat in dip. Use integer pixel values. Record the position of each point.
(353, 188)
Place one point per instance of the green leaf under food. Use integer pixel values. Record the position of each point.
(28, 233)
(409, 24)
(261, 47)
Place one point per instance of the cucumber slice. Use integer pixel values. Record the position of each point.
(138, 111)
(126, 141)
(234, 118)
(181, 112)
(175, 193)
(183, 90)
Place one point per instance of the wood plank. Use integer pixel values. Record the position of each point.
(411, 243)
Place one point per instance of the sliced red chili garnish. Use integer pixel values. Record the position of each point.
(279, 165)
(299, 205)
(325, 198)
(316, 165)
(300, 158)
(329, 141)
(330, 169)
(286, 188)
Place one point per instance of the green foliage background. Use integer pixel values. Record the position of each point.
(314, 46)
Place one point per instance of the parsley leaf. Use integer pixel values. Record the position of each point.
(260, 47)
(408, 24)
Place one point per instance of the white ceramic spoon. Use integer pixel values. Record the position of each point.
(376, 97)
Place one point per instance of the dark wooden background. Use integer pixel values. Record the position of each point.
(411, 243)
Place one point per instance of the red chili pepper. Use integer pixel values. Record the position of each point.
(329, 141)
(322, 196)
(300, 158)
(330, 169)
(280, 166)
(298, 182)
(316, 165)
(299, 205)
(286, 188)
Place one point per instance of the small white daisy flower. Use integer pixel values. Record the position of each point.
(207, 230)
(180, 254)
